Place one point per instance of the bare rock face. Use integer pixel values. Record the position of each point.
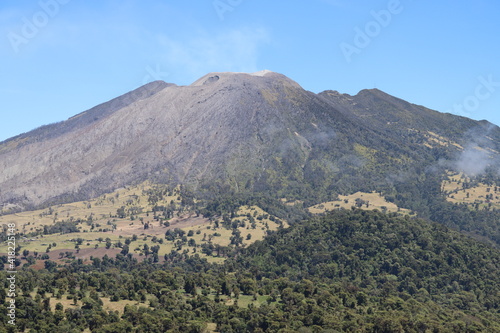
(247, 131)
(178, 134)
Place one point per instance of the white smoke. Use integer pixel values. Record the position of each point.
(474, 160)
(479, 153)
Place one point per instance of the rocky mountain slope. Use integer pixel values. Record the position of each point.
(241, 132)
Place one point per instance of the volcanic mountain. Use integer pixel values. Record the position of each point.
(238, 132)
(255, 155)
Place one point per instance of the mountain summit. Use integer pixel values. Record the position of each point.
(233, 131)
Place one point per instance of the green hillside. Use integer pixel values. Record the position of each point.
(348, 271)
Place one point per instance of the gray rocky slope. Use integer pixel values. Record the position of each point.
(247, 131)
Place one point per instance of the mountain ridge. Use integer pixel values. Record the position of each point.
(254, 132)
(93, 114)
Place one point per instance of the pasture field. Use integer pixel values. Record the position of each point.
(459, 188)
(362, 200)
(133, 220)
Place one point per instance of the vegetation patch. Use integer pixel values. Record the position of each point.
(361, 200)
(146, 221)
(476, 193)
(350, 270)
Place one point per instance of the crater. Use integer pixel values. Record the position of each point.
(211, 79)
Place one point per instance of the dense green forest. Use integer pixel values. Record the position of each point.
(348, 271)
(419, 191)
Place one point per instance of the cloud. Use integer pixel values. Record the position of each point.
(235, 50)
(473, 161)
(478, 155)
(321, 138)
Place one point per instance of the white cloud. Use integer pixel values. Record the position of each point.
(479, 153)
(235, 50)
(473, 161)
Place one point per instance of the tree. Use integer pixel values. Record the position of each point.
(124, 250)
(190, 286)
(120, 212)
(50, 265)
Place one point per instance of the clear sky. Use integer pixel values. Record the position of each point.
(62, 57)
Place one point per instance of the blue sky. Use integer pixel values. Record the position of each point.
(62, 57)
